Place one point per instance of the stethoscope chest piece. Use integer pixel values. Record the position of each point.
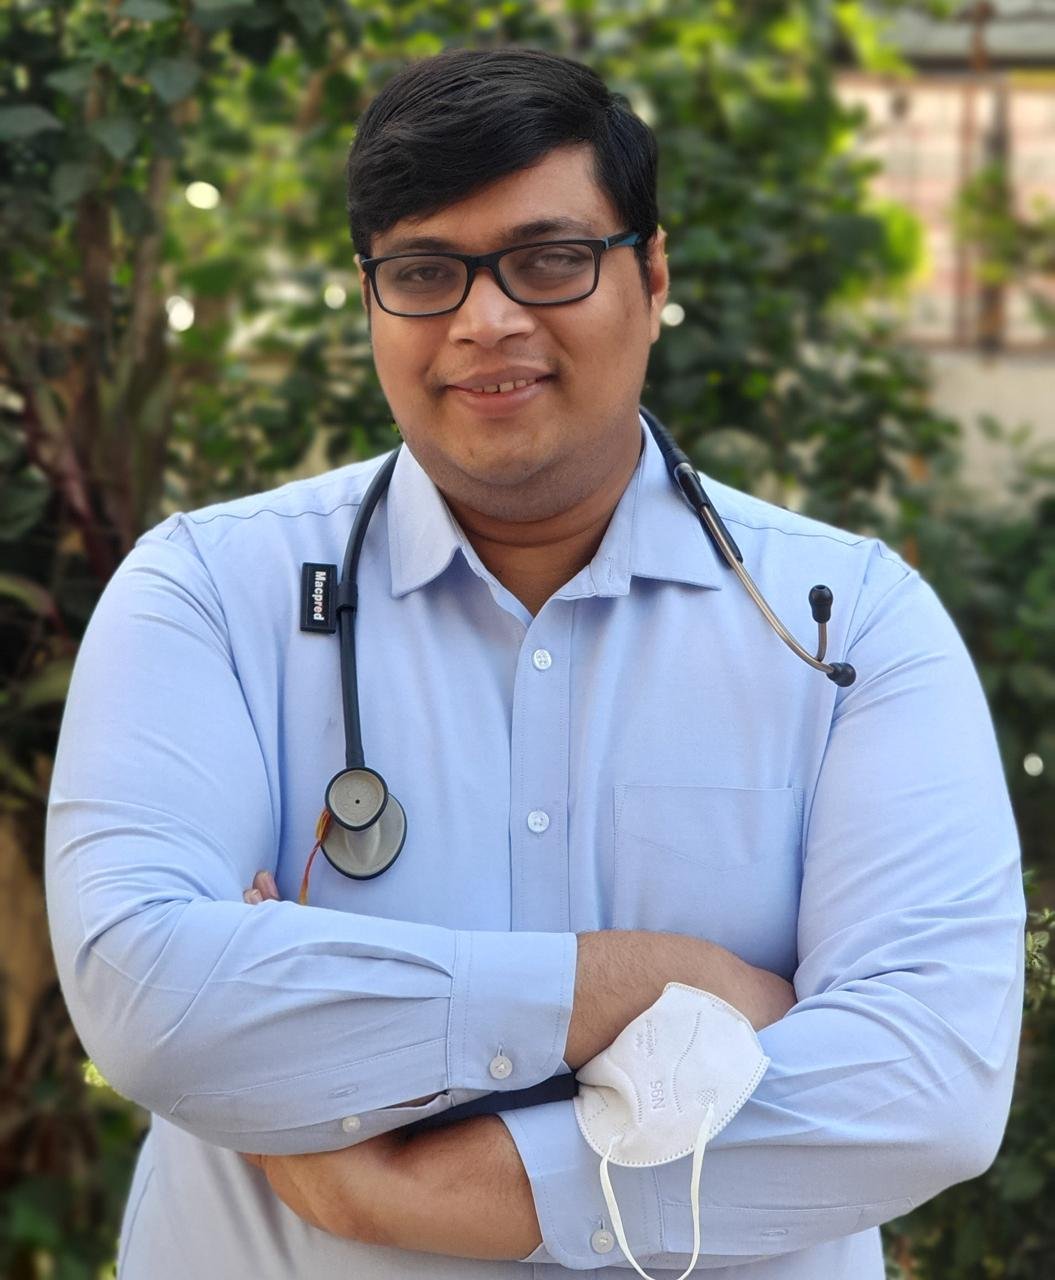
(369, 825)
(356, 797)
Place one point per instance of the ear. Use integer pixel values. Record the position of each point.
(658, 280)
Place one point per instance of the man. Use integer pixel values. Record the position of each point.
(613, 774)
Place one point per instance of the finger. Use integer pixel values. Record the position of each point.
(264, 881)
(252, 896)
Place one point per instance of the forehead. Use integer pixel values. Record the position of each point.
(558, 197)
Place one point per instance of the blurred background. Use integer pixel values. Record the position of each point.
(860, 200)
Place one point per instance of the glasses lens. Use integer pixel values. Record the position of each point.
(418, 285)
(550, 272)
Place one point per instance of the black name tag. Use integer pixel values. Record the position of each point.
(318, 587)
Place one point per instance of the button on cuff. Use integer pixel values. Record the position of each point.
(500, 1067)
(512, 997)
(602, 1242)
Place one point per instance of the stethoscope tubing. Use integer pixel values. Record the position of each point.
(685, 477)
(347, 607)
(687, 481)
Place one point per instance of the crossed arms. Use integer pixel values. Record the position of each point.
(891, 1075)
(463, 1190)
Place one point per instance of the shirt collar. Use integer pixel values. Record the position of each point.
(652, 534)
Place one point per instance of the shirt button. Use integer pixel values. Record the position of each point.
(543, 659)
(500, 1067)
(350, 1123)
(538, 821)
(602, 1242)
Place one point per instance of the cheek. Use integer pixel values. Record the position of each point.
(402, 361)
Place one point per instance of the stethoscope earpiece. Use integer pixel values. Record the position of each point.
(688, 483)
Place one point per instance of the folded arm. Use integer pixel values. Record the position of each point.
(891, 1077)
(254, 1028)
(462, 1190)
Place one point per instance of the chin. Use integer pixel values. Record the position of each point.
(518, 497)
(503, 472)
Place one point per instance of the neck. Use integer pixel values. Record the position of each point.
(535, 558)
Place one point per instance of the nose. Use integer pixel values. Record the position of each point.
(487, 315)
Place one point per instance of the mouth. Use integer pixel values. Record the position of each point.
(501, 397)
(503, 388)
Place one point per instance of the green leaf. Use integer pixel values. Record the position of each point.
(32, 1223)
(73, 80)
(173, 79)
(24, 498)
(146, 10)
(28, 592)
(25, 122)
(70, 181)
(216, 277)
(118, 134)
(94, 1077)
(165, 138)
(48, 685)
(311, 14)
(137, 217)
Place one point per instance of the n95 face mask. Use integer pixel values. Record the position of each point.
(671, 1080)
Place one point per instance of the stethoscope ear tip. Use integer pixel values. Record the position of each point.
(842, 674)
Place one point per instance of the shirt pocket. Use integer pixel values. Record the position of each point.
(722, 863)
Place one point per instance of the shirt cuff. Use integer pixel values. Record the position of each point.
(566, 1186)
(510, 1009)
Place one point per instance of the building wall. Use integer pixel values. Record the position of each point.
(930, 133)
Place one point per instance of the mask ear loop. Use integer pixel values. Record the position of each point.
(697, 1168)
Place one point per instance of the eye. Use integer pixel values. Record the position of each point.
(423, 273)
(556, 261)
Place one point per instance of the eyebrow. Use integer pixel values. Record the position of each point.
(522, 233)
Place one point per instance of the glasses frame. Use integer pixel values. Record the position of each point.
(473, 263)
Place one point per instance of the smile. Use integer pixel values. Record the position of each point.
(504, 386)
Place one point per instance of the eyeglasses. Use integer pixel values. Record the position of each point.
(546, 274)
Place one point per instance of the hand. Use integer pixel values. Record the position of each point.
(262, 889)
(341, 1192)
(461, 1190)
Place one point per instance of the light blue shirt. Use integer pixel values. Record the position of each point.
(644, 753)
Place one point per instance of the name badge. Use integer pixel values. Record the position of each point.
(318, 585)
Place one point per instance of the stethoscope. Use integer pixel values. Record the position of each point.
(363, 827)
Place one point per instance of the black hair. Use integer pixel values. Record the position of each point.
(447, 126)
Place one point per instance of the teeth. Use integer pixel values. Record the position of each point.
(506, 386)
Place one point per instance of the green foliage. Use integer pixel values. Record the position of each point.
(58, 1219)
(776, 380)
(1016, 246)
